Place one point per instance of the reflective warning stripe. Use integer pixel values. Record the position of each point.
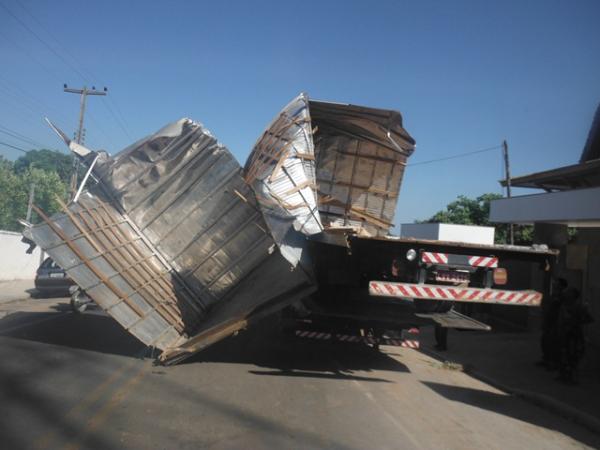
(458, 294)
(434, 258)
(409, 344)
(483, 261)
(406, 343)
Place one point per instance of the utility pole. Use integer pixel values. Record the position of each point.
(30, 202)
(83, 93)
(511, 230)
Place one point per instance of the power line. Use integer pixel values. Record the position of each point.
(56, 41)
(27, 95)
(119, 119)
(20, 137)
(15, 147)
(24, 50)
(48, 46)
(459, 155)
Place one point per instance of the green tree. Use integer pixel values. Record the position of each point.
(47, 160)
(467, 211)
(14, 193)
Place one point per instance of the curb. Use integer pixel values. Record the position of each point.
(543, 401)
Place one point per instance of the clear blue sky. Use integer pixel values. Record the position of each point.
(465, 75)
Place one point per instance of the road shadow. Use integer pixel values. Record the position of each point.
(35, 293)
(88, 331)
(508, 405)
(33, 408)
(262, 346)
(266, 347)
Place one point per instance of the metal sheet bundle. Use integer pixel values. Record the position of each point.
(183, 247)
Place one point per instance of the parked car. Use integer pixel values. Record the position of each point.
(51, 279)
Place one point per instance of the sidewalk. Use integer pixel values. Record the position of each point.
(15, 290)
(507, 361)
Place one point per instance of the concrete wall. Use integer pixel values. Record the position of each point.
(15, 264)
(449, 232)
(579, 207)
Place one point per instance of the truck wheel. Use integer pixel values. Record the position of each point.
(79, 302)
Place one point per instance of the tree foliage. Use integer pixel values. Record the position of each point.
(468, 211)
(46, 160)
(15, 184)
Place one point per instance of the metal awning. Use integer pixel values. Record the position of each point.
(576, 176)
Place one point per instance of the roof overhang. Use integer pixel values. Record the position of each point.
(575, 208)
(576, 176)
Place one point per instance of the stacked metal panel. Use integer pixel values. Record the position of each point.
(176, 228)
(361, 154)
(358, 155)
(183, 248)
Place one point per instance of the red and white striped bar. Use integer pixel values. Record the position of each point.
(449, 258)
(434, 258)
(483, 261)
(457, 294)
(406, 343)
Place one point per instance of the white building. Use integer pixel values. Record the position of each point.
(566, 197)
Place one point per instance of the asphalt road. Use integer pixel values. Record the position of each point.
(79, 381)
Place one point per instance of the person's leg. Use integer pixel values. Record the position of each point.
(441, 337)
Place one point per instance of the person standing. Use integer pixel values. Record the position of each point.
(549, 341)
(573, 315)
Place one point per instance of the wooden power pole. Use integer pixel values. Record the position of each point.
(511, 230)
(83, 93)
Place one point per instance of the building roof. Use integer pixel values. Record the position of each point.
(591, 150)
(583, 175)
(576, 176)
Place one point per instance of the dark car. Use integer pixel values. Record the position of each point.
(50, 279)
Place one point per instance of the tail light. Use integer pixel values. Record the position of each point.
(500, 276)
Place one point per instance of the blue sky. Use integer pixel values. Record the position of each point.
(465, 76)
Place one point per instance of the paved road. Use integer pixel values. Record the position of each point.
(78, 381)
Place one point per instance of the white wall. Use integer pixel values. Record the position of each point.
(15, 264)
(577, 208)
(449, 232)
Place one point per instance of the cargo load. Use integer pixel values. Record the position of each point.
(183, 247)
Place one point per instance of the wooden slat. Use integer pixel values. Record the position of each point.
(168, 310)
(120, 294)
(131, 275)
(299, 187)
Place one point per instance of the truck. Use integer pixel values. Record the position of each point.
(183, 247)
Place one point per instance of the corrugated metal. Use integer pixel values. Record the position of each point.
(281, 169)
(358, 155)
(361, 155)
(184, 215)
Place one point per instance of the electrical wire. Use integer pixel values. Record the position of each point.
(15, 147)
(57, 42)
(459, 155)
(20, 137)
(48, 46)
(119, 119)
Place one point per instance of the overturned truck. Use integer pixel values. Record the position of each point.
(183, 247)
